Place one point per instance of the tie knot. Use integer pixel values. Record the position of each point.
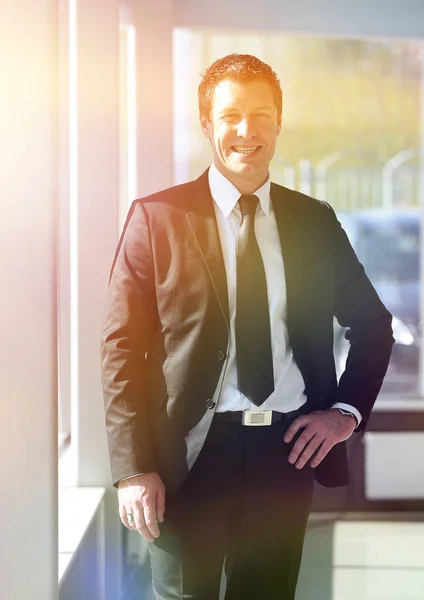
(248, 205)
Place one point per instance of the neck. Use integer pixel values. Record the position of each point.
(245, 186)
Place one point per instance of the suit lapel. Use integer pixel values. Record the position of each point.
(202, 222)
(287, 214)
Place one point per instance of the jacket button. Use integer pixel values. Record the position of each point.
(221, 355)
(210, 404)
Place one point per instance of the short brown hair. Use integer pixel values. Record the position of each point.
(237, 67)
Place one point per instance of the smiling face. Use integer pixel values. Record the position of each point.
(242, 128)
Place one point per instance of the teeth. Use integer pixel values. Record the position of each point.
(245, 150)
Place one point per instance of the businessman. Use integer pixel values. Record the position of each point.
(221, 397)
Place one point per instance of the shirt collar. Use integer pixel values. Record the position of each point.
(226, 195)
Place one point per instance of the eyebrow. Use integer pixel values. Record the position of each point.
(233, 109)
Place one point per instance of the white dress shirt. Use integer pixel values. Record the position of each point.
(289, 386)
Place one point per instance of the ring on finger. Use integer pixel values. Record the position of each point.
(130, 518)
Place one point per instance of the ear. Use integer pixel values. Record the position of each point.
(279, 126)
(204, 124)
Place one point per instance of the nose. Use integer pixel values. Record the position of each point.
(246, 129)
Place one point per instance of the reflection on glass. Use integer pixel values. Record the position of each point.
(389, 248)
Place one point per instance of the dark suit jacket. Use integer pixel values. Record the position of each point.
(166, 331)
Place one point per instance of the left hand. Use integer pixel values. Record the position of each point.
(323, 429)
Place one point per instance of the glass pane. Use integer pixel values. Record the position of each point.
(387, 243)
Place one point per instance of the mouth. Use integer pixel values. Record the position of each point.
(245, 150)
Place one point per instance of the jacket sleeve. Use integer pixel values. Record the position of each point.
(358, 308)
(129, 320)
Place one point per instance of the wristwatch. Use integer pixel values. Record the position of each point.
(347, 412)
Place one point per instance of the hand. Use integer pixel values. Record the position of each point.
(323, 429)
(142, 496)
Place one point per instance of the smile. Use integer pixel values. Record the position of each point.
(242, 150)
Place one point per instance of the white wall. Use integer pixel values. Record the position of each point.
(386, 18)
(154, 22)
(28, 433)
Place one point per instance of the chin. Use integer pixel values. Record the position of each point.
(238, 167)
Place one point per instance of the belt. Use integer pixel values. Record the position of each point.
(255, 417)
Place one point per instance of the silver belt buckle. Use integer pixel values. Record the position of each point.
(255, 417)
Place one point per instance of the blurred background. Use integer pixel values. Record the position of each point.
(98, 107)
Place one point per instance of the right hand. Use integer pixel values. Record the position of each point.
(142, 496)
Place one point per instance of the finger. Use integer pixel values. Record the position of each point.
(295, 426)
(309, 450)
(151, 519)
(141, 527)
(300, 445)
(322, 453)
(160, 504)
(123, 513)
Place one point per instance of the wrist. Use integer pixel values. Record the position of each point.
(347, 413)
(131, 478)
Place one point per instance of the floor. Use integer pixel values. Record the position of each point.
(372, 559)
(362, 557)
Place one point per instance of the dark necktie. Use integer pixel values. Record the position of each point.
(253, 338)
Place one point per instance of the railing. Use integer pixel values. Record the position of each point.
(354, 180)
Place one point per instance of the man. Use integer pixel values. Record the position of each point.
(222, 403)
